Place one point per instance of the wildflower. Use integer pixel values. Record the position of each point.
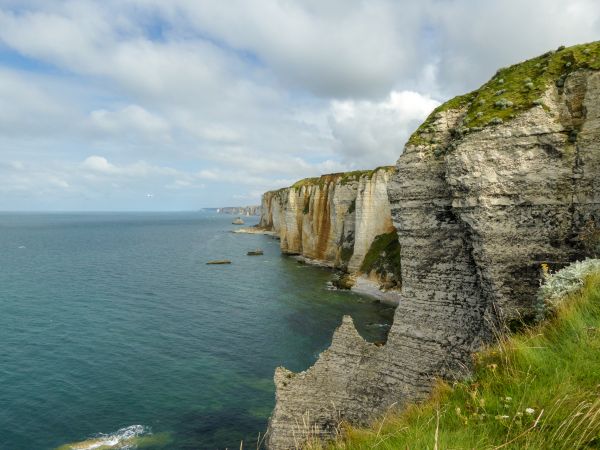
(530, 411)
(492, 367)
(507, 399)
(545, 270)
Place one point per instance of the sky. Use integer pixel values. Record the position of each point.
(152, 105)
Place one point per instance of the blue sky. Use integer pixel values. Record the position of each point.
(178, 105)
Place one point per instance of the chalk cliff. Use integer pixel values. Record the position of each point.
(240, 210)
(491, 185)
(334, 220)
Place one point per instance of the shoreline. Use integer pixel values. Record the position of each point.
(371, 288)
(254, 230)
(362, 285)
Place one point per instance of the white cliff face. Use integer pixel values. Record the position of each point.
(372, 216)
(333, 219)
(474, 224)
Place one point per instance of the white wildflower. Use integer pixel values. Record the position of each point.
(530, 411)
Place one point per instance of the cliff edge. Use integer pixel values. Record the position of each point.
(493, 184)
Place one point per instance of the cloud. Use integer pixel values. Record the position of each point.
(332, 49)
(374, 133)
(140, 169)
(29, 106)
(132, 120)
(104, 102)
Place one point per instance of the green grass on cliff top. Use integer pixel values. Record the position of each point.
(514, 89)
(341, 177)
(536, 390)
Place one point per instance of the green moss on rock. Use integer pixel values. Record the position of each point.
(340, 177)
(513, 90)
(383, 256)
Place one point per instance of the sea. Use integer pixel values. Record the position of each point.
(114, 331)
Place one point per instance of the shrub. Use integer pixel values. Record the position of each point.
(557, 286)
(503, 103)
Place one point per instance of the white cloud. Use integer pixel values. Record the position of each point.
(100, 165)
(374, 133)
(246, 95)
(28, 105)
(132, 120)
(330, 48)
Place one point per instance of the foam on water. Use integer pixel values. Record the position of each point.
(123, 439)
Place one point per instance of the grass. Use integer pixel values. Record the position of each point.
(383, 255)
(535, 390)
(513, 90)
(341, 177)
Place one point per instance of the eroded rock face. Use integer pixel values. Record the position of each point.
(332, 219)
(474, 224)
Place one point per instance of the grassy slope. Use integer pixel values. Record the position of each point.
(514, 89)
(535, 390)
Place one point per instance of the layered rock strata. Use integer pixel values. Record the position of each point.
(477, 207)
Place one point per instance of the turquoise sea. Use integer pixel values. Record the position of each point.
(112, 326)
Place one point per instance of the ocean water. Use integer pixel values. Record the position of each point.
(112, 327)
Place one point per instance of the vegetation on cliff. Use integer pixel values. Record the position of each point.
(340, 177)
(383, 256)
(535, 390)
(513, 90)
